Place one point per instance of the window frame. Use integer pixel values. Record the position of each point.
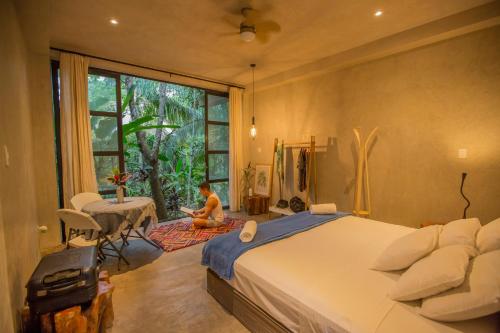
(118, 115)
(214, 152)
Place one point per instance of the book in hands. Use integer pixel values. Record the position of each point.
(187, 210)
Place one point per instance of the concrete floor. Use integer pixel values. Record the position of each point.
(166, 292)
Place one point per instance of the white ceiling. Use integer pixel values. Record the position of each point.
(191, 36)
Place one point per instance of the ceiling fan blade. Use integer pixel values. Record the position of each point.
(265, 29)
(262, 37)
(268, 27)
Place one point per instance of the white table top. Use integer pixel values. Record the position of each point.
(111, 206)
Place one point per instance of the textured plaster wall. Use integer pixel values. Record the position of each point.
(427, 103)
(34, 18)
(27, 174)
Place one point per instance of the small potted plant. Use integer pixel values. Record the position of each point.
(119, 179)
(246, 179)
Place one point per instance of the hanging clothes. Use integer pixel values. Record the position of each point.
(289, 172)
(302, 166)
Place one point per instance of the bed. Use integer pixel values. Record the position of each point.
(319, 281)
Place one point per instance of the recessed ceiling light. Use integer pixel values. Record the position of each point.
(113, 21)
(378, 13)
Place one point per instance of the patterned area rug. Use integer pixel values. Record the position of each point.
(179, 235)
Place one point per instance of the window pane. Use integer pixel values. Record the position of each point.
(104, 133)
(222, 190)
(102, 93)
(217, 108)
(218, 166)
(218, 137)
(103, 168)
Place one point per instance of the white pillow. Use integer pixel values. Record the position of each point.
(460, 232)
(478, 296)
(488, 237)
(443, 269)
(406, 250)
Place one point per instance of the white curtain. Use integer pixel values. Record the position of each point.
(76, 139)
(235, 146)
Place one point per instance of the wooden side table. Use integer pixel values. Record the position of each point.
(97, 318)
(256, 204)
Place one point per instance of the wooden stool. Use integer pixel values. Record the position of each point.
(256, 204)
(95, 319)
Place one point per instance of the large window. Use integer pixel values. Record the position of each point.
(169, 137)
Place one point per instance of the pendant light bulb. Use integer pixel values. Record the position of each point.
(253, 129)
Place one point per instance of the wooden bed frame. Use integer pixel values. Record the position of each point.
(247, 312)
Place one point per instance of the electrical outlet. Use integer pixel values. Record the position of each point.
(7, 156)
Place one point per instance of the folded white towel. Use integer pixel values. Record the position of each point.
(248, 231)
(324, 209)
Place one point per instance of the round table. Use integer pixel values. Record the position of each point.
(115, 217)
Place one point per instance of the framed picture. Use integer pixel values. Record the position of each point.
(262, 179)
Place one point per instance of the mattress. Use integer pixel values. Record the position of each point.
(319, 281)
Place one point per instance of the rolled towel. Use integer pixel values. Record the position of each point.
(324, 209)
(248, 231)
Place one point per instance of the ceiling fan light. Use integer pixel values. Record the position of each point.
(247, 33)
(247, 36)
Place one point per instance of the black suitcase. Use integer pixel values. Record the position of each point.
(63, 279)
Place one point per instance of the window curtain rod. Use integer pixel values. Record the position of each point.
(148, 68)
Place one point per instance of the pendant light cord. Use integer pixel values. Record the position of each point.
(253, 93)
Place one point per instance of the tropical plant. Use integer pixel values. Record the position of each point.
(164, 141)
(246, 178)
(118, 178)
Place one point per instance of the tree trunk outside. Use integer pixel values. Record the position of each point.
(149, 157)
(190, 170)
(156, 192)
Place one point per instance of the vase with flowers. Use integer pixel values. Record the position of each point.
(119, 179)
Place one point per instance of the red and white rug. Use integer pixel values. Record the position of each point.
(178, 235)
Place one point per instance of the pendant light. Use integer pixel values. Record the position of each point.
(253, 129)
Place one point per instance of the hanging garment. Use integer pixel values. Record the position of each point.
(302, 166)
(289, 183)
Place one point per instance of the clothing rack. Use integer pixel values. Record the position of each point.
(311, 164)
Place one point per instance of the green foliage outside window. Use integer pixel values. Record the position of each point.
(163, 139)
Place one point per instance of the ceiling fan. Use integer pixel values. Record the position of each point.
(254, 27)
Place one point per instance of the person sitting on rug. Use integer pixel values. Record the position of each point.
(212, 215)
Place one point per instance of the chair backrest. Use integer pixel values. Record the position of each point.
(78, 220)
(81, 199)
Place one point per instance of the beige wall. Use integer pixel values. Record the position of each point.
(427, 103)
(36, 32)
(27, 175)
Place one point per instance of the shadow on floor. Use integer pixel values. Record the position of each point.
(138, 253)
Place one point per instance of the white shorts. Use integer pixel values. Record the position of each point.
(213, 223)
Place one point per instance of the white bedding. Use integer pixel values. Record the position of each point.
(319, 281)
